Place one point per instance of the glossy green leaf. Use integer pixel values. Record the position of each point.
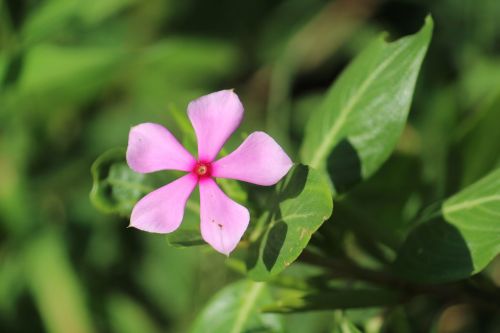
(302, 203)
(360, 120)
(236, 309)
(335, 299)
(460, 242)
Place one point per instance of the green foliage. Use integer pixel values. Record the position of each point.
(461, 242)
(336, 299)
(236, 308)
(301, 204)
(116, 187)
(363, 115)
(413, 247)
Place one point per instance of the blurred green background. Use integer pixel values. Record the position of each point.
(75, 75)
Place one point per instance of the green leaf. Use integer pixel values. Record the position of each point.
(302, 203)
(116, 188)
(363, 115)
(345, 326)
(335, 299)
(480, 156)
(460, 242)
(188, 233)
(127, 316)
(236, 308)
(49, 272)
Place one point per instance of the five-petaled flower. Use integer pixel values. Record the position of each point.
(258, 160)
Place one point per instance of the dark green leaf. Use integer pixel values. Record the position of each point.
(459, 243)
(336, 299)
(302, 203)
(236, 308)
(360, 121)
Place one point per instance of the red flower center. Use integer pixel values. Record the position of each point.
(202, 169)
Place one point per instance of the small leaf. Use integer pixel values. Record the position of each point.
(336, 299)
(302, 203)
(116, 188)
(459, 243)
(363, 115)
(236, 308)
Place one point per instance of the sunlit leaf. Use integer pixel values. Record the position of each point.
(361, 118)
(459, 243)
(236, 308)
(302, 203)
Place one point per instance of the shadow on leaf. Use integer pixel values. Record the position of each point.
(435, 251)
(344, 166)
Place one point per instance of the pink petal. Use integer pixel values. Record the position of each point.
(151, 147)
(161, 211)
(259, 160)
(223, 221)
(214, 117)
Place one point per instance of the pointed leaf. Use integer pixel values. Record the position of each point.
(360, 121)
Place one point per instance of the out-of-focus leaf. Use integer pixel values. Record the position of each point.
(363, 114)
(49, 67)
(346, 326)
(336, 299)
(129, 317)
(92, 12)
(459, 244)
(236, 308)
(11, 282)
(49, 18)
(480, 153)
(55, 286)
(302, 203)
(436, 124)
(54, 18)
(55, 77)
(116, 188)
(388, 224)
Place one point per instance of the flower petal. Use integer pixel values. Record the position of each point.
(223, 221)
(214, 118)
(161, 211)
(151, 147)
(259, 160)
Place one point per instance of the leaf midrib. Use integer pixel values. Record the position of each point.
(249, 302)
(332, 133)
(470, 203)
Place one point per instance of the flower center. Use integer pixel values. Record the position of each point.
(202, 169)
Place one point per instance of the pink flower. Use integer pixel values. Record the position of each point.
(259, 160)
